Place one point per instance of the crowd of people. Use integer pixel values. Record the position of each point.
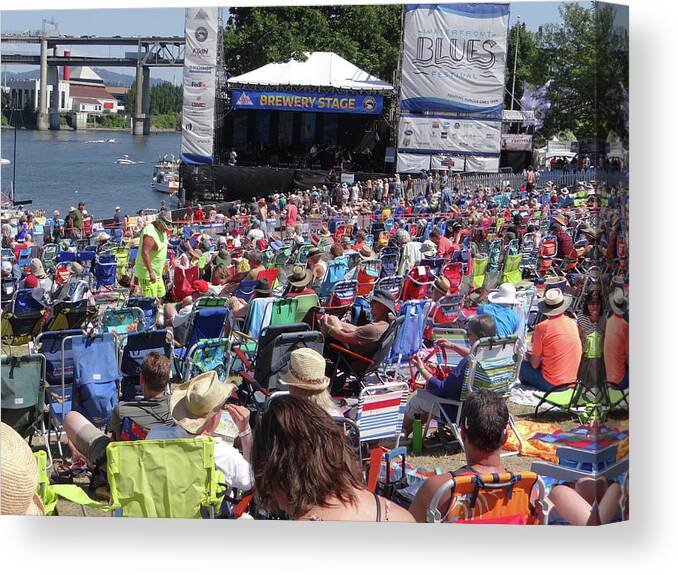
(573, 247)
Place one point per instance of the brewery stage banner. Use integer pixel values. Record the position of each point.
(413, 163)
(440, 135)
(454, 58)
(200, 58)
(516, 142)
(307, 102)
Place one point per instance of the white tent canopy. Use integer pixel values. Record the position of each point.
(320, 69)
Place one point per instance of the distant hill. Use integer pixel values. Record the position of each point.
(109, 77)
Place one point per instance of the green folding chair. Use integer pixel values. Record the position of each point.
(284, 311)
(22, 401)
(173, 478)
(479, 267)
(305, 303)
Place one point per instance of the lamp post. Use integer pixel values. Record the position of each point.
(515, 63)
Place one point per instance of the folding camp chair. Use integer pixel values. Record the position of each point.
(492, 364)
(133, 352)
(416, 284)
(304, 304)
(70, 315)
(512, 260)
(410, 336)
(23, 395)
(368, 273)
(392, 284)
(173, 478)
(381, 409)
(149, 305)
(123, 321)
(352, 365)
(208, 355)
(183, 282)
(269, 276)
(528, 252)
(57, 349)
(49, 253)
(24, 257)
(273, 351)
(245, 289)
(491, 498)
(454, 272)
(205, 323)
(389, 258)
(336, 272)
(479, 271)
(105, 271)
(96, 376)
(25, 319)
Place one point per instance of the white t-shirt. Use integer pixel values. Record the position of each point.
(255, 234)
(237, 471)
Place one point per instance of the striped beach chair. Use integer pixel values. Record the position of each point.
(493, 364)
(381, 409)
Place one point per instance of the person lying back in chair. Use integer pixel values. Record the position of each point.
(423, 400)
(484, 428)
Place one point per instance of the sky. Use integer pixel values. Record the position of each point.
(167, 22)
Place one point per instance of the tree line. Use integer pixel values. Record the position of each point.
(585, 55)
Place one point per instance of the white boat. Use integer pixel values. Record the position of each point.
(166, 176)
(4, 162)
(125, 161)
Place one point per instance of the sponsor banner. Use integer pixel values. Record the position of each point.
(446, 162)
(565, 148)
(347, 178)
(454, 58)
(200, 58)
(442, 135)
(307, 101)
(615, 150)
(516, 142)
(411, 163)
(482, 164)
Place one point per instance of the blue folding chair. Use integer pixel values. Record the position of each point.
(410, 336)
(96, 376)
(134, 351)
(204, 323)
(245, 289)
(336, 272)
(105, 271)
(149, 305)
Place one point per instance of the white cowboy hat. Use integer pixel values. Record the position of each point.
(505, 294)
(194, 403)
(618, 302)
(103, 236)
(306, 370)
(555, 302)
(428, 249)
(19, 473)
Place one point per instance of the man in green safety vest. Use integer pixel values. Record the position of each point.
(152, 253)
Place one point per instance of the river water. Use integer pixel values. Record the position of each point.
(57, 169)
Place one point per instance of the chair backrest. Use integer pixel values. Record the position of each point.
(368, 272)
(410, 336)
(416, 283)
(206, 323)
(479, 269)
(95, 376)
(207, 355)
(446, 357)
(343, 294)
(25, 304)
(22, 397)
(138, 346)
(492, 498)
(336, 272)
(283, 311)
(392, 284)
(273, 354)
(446, 310)
(105, 273)
(381, 409)
(305, 303)
(494, 256)
(385, 345)
(162, 478)
(123, 321)
(149, 305)
(271, 276)
(492, 364)
(245, 289)
(58, 354)
(70, 315)
(259, 315)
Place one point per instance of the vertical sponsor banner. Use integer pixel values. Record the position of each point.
(200, 59)
(454, 58)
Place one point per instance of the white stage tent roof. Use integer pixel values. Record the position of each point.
(320, 70)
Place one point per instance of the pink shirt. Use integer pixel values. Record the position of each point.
(292, 212)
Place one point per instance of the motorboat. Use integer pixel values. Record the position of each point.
(166, 176)
(125, 161)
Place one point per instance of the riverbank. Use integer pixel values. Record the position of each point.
(98, 129)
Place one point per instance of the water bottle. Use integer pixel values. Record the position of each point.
(417, 436)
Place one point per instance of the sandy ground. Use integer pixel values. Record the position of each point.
(431, 458)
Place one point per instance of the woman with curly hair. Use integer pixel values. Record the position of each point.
(304, 466)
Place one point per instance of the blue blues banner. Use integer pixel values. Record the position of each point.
(454, 58)
(307, 102)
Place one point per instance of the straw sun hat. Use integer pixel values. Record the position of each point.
(194, 403)
(19, 474)
(555, 302)
(306, 370)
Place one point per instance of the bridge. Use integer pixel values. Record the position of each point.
(151, 51)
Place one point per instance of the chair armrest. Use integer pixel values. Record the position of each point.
(343, 349)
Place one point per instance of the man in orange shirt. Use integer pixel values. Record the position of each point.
(616, 346)
(556, 347)
(443, 243)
